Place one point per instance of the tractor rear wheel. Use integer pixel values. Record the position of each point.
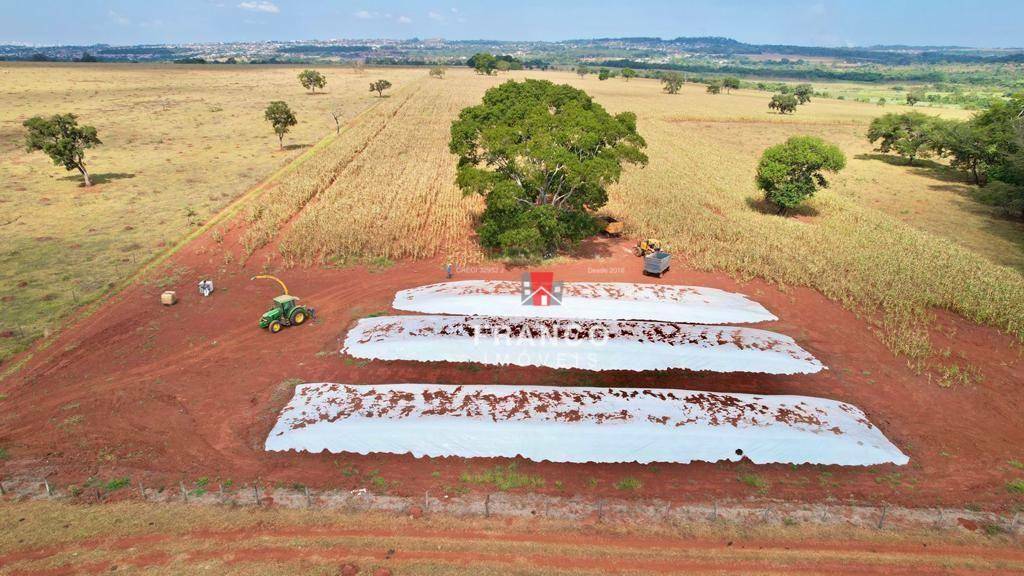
(275, 327)
(298, 316)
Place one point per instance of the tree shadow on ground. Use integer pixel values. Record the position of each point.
(921, 167)
(765, 207)
(99, 178)
(296, 146)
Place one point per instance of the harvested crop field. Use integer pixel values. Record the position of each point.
(578, 425)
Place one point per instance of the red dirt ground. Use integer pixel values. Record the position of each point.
(178, 393)
(338, 547)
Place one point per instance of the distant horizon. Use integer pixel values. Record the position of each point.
(508, 41)
(808, 23)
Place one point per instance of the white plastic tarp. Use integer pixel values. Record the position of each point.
(583, 344)
(587, 300)
(563, 424)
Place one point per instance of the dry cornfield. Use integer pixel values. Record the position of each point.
(881, 240)
(384, 189)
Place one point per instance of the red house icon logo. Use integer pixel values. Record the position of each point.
(540, 289)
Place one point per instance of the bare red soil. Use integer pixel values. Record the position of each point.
(188, 391)
(347, 548)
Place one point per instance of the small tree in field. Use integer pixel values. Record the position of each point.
(582, 70)
(628, 73)
(63, 140)
(803, 93)
(437, 72)
(379, 87)
(784, 103)
(715, 87)
(311, 80)
(731, 83)
(281, 118)
(672, 82)
(792, 172)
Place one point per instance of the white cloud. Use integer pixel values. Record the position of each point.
(435, 16)
(118, 19)
(260, 6)
(372, 15)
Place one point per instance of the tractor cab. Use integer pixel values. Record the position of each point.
(286, 312)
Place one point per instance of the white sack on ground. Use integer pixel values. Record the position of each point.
(577, 425)
(583, 344)
(587, 300)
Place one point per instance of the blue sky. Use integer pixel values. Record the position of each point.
(992, 23)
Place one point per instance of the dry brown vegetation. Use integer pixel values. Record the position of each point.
(887, 240)
(179, 144)
(176, 539)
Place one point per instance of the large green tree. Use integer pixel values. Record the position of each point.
(911, 135)
(731, 83)
(628, 73)
(672, 81)
(63, 140)
(542, 155)
(784, 103)
(968, 146)
(483, 63)
(311, 80)
(281, 118)
(803, 93)
(792, 172)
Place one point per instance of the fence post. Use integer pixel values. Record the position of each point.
(256, 493)
(600, 509)
(487, 506)
(184, 493)
(49, 491)
(2, 491)
(426, 501)
(309, 500)
(881, 519)
(142, 490)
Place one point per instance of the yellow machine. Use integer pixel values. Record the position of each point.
(647, 246)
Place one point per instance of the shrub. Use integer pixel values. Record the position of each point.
(790, 173)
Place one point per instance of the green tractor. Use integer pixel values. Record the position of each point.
(286, 311)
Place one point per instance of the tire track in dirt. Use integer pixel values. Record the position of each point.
(783, 557)
(848, 557)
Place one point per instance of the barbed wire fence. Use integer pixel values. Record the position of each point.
(500, 503)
